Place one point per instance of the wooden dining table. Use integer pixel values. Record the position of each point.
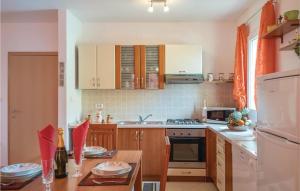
(71, 184)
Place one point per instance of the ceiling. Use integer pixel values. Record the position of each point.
(136, 10)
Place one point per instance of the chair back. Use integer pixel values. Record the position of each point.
(165, 165)
(104, 135)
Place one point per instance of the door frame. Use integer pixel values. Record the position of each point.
(11, 54)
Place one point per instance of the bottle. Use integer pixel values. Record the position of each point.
(61, 157)
(204, 111)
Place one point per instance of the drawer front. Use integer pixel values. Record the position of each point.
(186, 172)
(220, 151)
(220, 181)
(220, 141)
(220, 165)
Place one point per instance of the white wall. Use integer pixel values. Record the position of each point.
(217, 39)
(21, 36)
(286, 60)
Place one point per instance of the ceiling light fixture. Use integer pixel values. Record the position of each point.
(151, 8)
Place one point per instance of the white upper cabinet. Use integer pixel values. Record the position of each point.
(183, 59)
(87, 65)
(105, 67)
(96, 66)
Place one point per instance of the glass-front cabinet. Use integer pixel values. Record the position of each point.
(140, 66)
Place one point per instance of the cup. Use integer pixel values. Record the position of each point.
(77, 167)
(48, 172)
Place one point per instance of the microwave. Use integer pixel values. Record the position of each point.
(218, 115)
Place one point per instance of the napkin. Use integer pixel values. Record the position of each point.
(47, 147)
(79, 137)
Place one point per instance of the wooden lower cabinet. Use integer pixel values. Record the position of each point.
(228, 167)
(128, 139)
(219, 161)
(211, 157)
(151, 142)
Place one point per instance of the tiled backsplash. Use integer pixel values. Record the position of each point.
(175, 101)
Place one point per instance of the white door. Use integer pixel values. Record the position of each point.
(106, 67)
(181, 59)
(87, 61)
(278, 106)
(278, 163)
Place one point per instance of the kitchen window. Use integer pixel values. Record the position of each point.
(251, 71)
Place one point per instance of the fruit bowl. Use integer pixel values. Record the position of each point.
(238, 128)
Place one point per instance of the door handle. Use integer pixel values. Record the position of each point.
(142, 135)
(15, 111)
(98, 82)
(142, 82)
(93, 83)
(136, 135)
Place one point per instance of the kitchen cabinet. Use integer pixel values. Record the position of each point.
(139, 66)
(183, 59)
(96, 66)
(244, 170)
(224, 164)
(151, 142)
(211, 150)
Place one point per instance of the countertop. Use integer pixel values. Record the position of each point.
(244, 139)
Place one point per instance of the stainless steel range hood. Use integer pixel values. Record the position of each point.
(184, 78)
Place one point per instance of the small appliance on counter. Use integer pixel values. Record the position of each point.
(217, 115)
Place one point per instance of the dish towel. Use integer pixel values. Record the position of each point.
(47, 146)
(79, 137)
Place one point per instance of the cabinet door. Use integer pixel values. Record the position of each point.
(152, 145)
(228, 166)
(152, 66)
(105, 67)
(127, 67)
(87, 61)
(211, 142)
(182, 59)
(128, 139)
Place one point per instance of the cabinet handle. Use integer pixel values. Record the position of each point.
(186, 172)
(93, 82)
(137, 82)
(136, 135)
(142, 135)
(142, 82)
(98, 82)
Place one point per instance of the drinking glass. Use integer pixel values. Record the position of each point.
(48, 171)
(77, 167)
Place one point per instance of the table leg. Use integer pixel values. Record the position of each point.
(139, 181)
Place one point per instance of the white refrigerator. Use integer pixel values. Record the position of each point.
(278, 135)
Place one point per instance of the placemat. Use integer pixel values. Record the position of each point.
(106, 155)
(111, 181)
(18, 185)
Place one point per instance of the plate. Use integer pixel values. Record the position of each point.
(22, 178)
(94, 150)
(111, 168)
(20, 169)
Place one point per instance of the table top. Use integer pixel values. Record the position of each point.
(71, 184)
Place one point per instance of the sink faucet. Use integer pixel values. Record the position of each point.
(141, 120)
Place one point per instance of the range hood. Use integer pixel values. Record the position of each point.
(184, 78)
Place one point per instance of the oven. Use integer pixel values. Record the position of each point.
(188, 148)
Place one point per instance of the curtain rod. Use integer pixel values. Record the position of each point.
(258, 11)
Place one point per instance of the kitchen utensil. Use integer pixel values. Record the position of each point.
(108, 181)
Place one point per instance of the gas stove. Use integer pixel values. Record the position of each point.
(184, 122)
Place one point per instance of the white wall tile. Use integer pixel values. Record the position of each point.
(175, 101)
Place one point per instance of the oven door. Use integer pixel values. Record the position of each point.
(188, 150)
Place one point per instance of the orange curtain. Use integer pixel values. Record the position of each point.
(240, 68)
(266, 48)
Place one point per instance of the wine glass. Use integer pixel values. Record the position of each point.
(78, 165)
(48, 171)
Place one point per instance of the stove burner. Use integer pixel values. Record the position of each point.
(183, 122)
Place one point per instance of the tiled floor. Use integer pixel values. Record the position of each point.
(190, 186)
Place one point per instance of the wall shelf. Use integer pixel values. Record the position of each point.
(282, 29)
(291, 46)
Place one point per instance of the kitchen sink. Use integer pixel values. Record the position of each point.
(140, 123)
